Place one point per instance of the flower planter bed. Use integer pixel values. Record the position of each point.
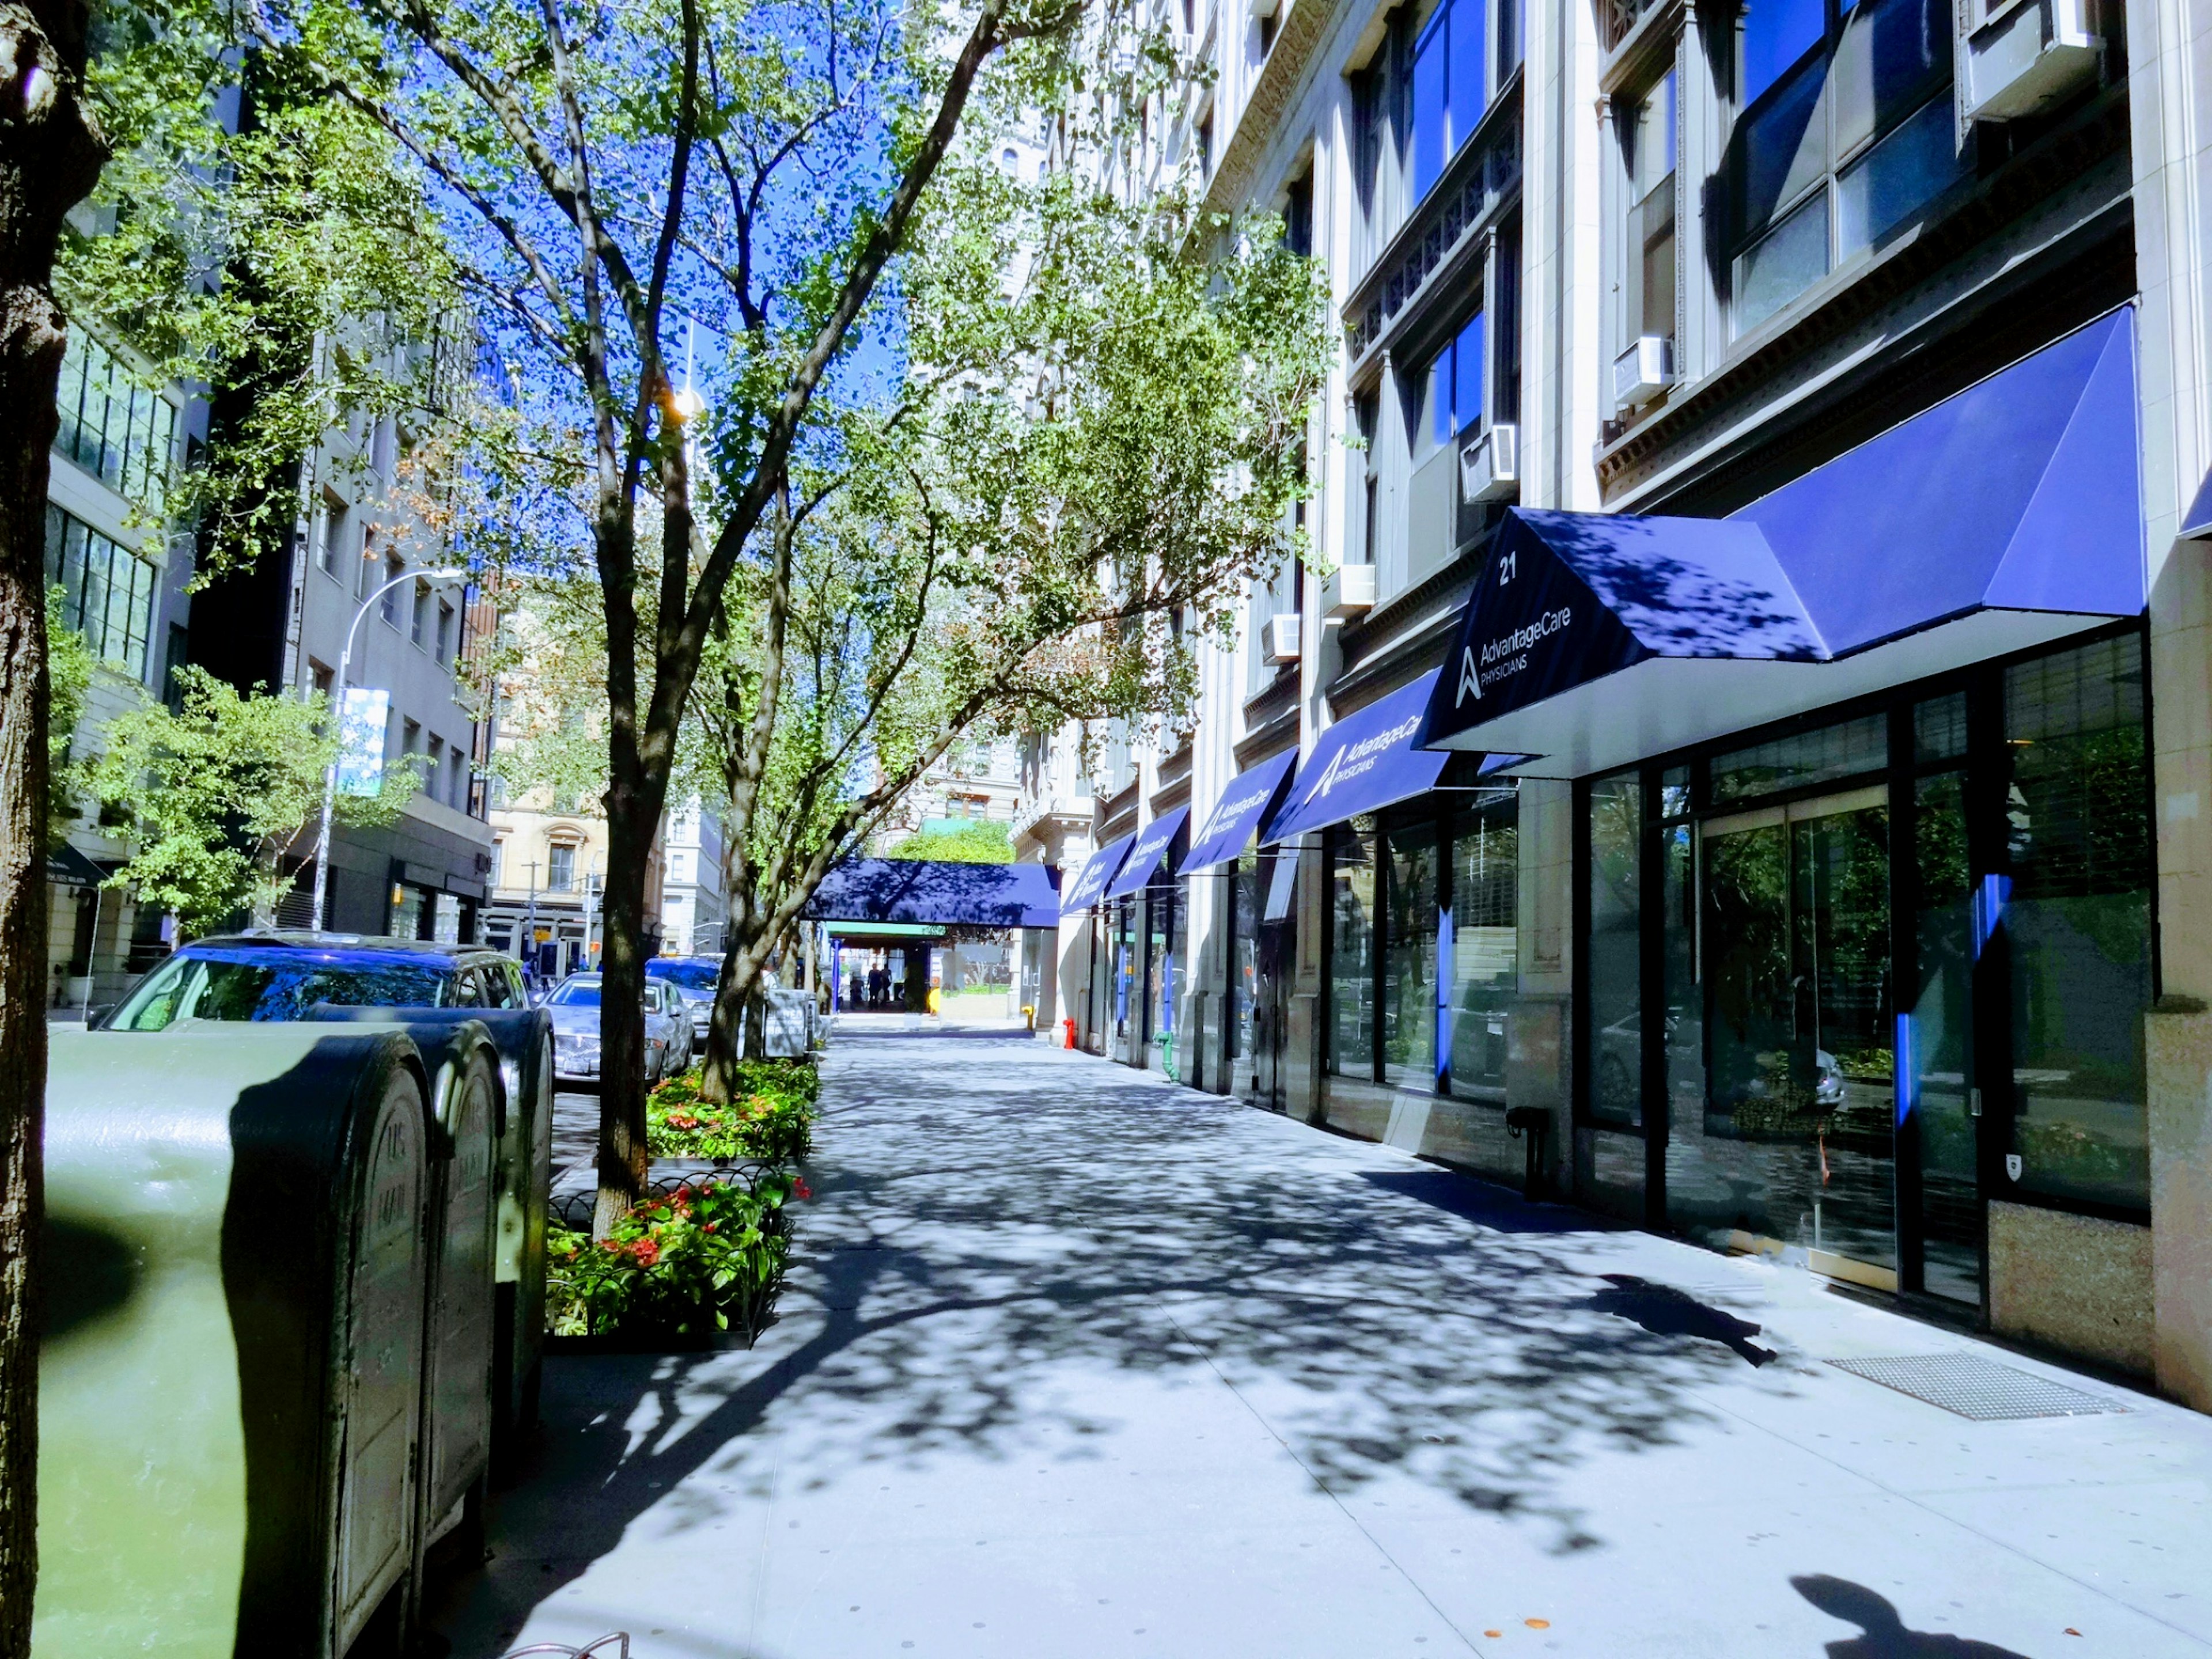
(771, 1120)
(696, 1264)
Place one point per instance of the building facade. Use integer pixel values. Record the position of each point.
(1744, 733)
(121, 575)
(548, 878)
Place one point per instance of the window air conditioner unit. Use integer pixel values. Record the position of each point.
(1643, 371)
(2030, 57)
(1490, 467)
(1349, 591)
(1278, 640)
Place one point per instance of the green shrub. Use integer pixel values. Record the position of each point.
(772, 1119)
(683, 1266)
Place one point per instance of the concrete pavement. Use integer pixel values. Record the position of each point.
(1078, 1363)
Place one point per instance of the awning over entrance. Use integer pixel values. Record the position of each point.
(1145, 853)
(66, 865)
(1363, 763)
(2006, 517)
(937, 892)
(1097, 870)
(1229, 827)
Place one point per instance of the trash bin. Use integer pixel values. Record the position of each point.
(231, 1382)
(524, 1040)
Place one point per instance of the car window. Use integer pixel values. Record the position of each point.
(491, 974)
(693, 975)
(576, 994)
(243, 986)
(468, 989)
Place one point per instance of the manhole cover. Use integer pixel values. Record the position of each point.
(1970, 1386)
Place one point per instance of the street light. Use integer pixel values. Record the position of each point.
(443, 573)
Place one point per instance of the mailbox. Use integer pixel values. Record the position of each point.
(237, 1259)
(522, 1038)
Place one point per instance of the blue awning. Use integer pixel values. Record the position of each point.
(1097, 870)
(1238, 814)
(931, 890)
(1149, 846)
(2006, 517)
(1363, 764)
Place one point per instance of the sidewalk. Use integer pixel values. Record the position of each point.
(1079, 1362)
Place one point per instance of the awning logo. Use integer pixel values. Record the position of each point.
(1353, 759)
(1507, 655)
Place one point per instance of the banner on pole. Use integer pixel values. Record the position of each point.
(363, 717)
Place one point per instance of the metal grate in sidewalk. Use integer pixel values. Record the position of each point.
(1968, 1385)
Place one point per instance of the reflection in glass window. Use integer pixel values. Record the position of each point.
(1409, 984)
(1849, 749)
(107, 591)
(241, 986)
(1776, 34)
(1649, 140)
(1454, 385)
(1485, 949)
(1351, 955)
(1450, 89)
(120, 432)
(2078, 917)
(1616, 829)
(1942, 1027)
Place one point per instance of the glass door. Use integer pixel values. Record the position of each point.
(1798, 1144)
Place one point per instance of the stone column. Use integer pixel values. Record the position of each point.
(2170, 106)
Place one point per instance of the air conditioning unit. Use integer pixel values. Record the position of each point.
(2030, 57)
(1490, 467)
(1643, 371)
(1278, 640)
(1349, 590)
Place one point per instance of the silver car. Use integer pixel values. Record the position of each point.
(694, 979)
(574, 1005)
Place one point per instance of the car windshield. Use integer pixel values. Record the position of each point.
(577, 994)
(261, 987)
(691, 975)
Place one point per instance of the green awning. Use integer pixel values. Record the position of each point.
(885, 929)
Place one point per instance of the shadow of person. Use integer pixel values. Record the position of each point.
(1665, 1311)
(1882, 1634)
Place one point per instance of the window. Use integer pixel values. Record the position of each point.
(418, 628)
(394, 568)
(1453, 396)
(1409, 961)
(1648, 147)
(2077, 915)
(173, 666)
(332, 521)
(1366, 412)
(120, 432)
(499, 863)
(1483, 949)
(1352, 954)
(1613, 952)
(107, 591)
(1297, 216)
(457, 792)
(1846, 132)
(370, 564)
(561, 868)
(1449, 87)
(445, 633)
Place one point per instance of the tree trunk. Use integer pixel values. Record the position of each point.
(49, 156)
(633, 817)
(734, 1032)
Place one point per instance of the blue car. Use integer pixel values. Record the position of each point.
(286, 975)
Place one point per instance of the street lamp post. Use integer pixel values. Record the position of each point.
(444, 573)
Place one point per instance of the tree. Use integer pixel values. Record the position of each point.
(980, 841)
(217, 792)
(1100, 441)
(750, 168)
(51, 152)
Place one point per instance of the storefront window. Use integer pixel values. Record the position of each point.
(1615, 1052)
(1409, 968)
(1939, 1032)
(1695, 1185)
(2078, 917)
(1484, 951)
(1352, 954)
(1246, 896)
(1127, 995)
(1851, 748)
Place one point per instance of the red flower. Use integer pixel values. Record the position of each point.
(612, 1244)
(708, 1228)
(800, 1189)
(646, 1251)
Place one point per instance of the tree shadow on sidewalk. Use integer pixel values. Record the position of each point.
(1000, 1233)
(1882, 1634)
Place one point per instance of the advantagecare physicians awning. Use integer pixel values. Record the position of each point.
(1146, 849)
(1236, 817)
(1097, 870)
(1366, 761)
(935, 890)
(2008, 516)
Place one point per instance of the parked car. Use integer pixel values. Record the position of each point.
(694, 979)
(574, 1005)
(284, 975)
(686, 1041)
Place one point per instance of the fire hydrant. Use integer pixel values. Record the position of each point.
(1067, 1033)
